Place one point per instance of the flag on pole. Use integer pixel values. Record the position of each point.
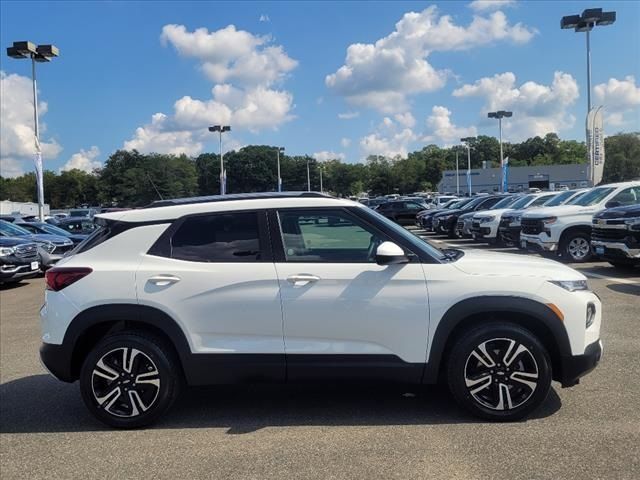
(505, 175)
(224, 181)
(469, 182)
(37, 160)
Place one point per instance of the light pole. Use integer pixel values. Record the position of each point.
(457, 175)
(320, 166)
(221, 129)
(589, 19)
(500, 114)
(308, 177)
(467, 142)
(41, 53)
(278, 150)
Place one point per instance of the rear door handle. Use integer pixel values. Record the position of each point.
(302, 279)
(164, 280)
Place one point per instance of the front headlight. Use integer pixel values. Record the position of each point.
(487, 219)
(633, 223)
(571, 285)
(517, 219)
(549, 220)
(48, 246)
(6, 251)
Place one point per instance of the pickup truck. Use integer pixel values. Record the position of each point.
(615, 236)
(566, 229)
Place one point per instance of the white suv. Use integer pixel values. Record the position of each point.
(304, 287)
(566, 229)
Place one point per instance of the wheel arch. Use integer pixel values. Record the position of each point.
(535, 316)
(582, 228)
(92, 324)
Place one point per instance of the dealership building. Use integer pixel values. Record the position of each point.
(520, 179)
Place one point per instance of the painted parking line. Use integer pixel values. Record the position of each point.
(625, 281)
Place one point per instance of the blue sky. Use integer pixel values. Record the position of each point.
(334, 79)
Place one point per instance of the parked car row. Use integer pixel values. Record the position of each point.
(577, 225)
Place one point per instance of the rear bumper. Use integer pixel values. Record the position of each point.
(576, 366)
(56, 359)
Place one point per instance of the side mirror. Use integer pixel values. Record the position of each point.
(612, 204)
(388, 253)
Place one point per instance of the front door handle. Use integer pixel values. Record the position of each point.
(302, 279)
(164, 280)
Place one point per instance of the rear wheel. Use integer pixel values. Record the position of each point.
(130, 379)
(499, 371)
(576, 247)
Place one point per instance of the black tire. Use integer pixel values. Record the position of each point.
(570, 249)
(130, 412)
(512, 399)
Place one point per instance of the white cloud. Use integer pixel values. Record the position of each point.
(537, 109)
(245, 70)
(17, 144)
(264, 18)
(405, 119)
(390, 139)
(385, 74)
(619, 97)
(85, 160)
(348, 115)
(345, 142)
(441, 129)
(325, 155)
(484, 5)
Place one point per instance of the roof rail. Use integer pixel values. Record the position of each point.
(235, 196)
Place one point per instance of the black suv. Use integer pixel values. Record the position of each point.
(615, 235)
(18, 259)
(402, 211)
(445, 223)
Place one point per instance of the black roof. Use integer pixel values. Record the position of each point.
(236, 196)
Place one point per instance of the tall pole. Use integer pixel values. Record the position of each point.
(588, 72)
(501, 157)
(469, 168)
(321, 190)
(38, 157)
(222, 186)
(308, 178)
(279, 179)
(457, 176)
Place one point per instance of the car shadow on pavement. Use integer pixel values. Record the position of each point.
(12, 285)
(625, 288)
(40, 404)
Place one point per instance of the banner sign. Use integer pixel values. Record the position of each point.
(595, 144)
(505, 175)
(39, 179)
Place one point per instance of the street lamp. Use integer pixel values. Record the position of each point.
(320, 167)
(221, 129)
(279, 150)
(308, 177)
(40, 54)
(589, 19)
(500, 114)
(467, 141)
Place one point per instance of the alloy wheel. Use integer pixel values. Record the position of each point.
(578, 248)
(501, 374)
(125, 382)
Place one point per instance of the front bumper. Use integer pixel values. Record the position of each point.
(510, 234)
(573, 367)
(535, 243)
(11, 272)
(619, 248)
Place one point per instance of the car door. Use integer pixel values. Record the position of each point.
(409, 212)
(214, 275)
(345, 316)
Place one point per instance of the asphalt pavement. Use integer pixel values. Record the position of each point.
(591, 431)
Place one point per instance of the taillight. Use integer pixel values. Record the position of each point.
(61, 277)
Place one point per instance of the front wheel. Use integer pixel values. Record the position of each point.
(576, 247)
(499, 371)
(130, 379)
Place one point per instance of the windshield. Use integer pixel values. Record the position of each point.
(12, 230)
(472, 203)
(592, 197)
(419, 242)
(522, 202)
(542, 200)
(560, 199)
(53, 230)
(80, 213)
(505, 202)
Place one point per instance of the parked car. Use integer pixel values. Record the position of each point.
(401, 211)
(18, 259)
(615, 236)
(464, 228)
(44, 227)
(509, 228)
(209, 291)
(79, 225)
(425, 218)
(51, 248)
(441, 200)
(566, 229)
(444, 223)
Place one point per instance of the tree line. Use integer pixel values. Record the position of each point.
(132, 179)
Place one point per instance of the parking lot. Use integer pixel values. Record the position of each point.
(590, 431)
